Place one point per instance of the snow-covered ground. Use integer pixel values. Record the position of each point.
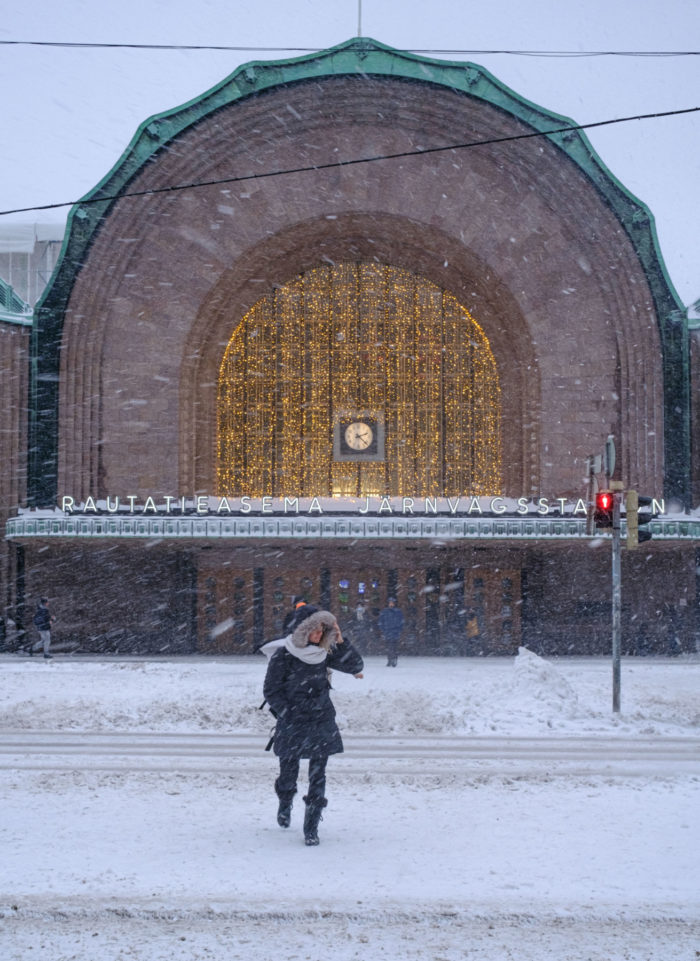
(484, 809)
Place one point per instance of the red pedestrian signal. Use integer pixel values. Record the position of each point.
(603, 516)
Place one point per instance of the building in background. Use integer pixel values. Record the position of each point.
(28, 254)
(365, 349)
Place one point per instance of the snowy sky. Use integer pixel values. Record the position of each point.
(70, 112)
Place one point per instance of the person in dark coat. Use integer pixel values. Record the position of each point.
(390, 624)
(297, 690)
(301, 610)
(43, 619)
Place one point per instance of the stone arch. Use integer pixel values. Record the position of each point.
(417, 248)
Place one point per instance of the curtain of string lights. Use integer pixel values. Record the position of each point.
(358, 337)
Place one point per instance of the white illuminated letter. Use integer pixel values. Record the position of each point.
(407, 505)
(168, 501)
(131, 498)
(150, 505)
(267, 505)
(384, 506)
(543, 506)
(453, 507)
(522, 505)
(223, 505)
(501, 508)
(112, 510)
(562, 501)
(292, 503)
(315, 506)
(68, 504)
(474, 505)
(90, 505)
(365, 510)
(580, 507)
(245, 504)
(431, 502)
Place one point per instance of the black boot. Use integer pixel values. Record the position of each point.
(284, 811)
(314, 809)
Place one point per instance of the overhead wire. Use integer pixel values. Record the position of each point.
(418, 50)
(193, 185)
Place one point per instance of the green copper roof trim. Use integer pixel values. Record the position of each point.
(357, 57)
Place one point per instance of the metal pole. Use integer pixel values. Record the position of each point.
(616, 602)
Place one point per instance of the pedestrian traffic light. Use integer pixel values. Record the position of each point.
(635, 520)
(603, 515)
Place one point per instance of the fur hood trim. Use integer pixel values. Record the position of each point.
(324, 619)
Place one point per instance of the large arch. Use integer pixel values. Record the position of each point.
(395, 240)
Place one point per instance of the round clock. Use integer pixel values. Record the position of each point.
(358, 435)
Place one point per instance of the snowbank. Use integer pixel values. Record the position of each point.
(508, 696)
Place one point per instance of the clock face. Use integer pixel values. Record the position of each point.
(358, 435)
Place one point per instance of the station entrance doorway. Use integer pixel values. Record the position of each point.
(454, 603)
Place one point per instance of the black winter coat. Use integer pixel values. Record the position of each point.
(42, 618)
(298, 694)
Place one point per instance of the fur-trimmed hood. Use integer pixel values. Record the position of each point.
(324, 619)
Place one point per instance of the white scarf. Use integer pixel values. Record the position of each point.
(311, 654)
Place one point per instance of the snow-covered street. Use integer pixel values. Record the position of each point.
(484, 809)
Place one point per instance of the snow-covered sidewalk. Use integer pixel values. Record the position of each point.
(452, 860)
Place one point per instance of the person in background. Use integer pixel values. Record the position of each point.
(390, 624)
(472, 633)
(300, 610)
(43, 619)
(297, 690)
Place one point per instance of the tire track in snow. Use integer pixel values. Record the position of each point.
(390, 754)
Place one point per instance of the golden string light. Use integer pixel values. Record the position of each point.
(359, 337)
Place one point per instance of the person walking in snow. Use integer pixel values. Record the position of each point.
(390, 624)
(297, 690)
(472, 634)
(43, 619)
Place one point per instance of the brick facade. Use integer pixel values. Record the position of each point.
(529, 239)
(14, 371)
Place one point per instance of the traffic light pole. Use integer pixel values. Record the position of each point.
(616, 600)
(606, 515)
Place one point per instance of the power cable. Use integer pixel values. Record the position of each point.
(436, 51)
(348, 163)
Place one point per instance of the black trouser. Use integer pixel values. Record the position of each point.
(286, 783)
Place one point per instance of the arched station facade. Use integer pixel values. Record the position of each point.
(339, 327)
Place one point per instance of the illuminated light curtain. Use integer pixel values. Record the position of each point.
(367, 338)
